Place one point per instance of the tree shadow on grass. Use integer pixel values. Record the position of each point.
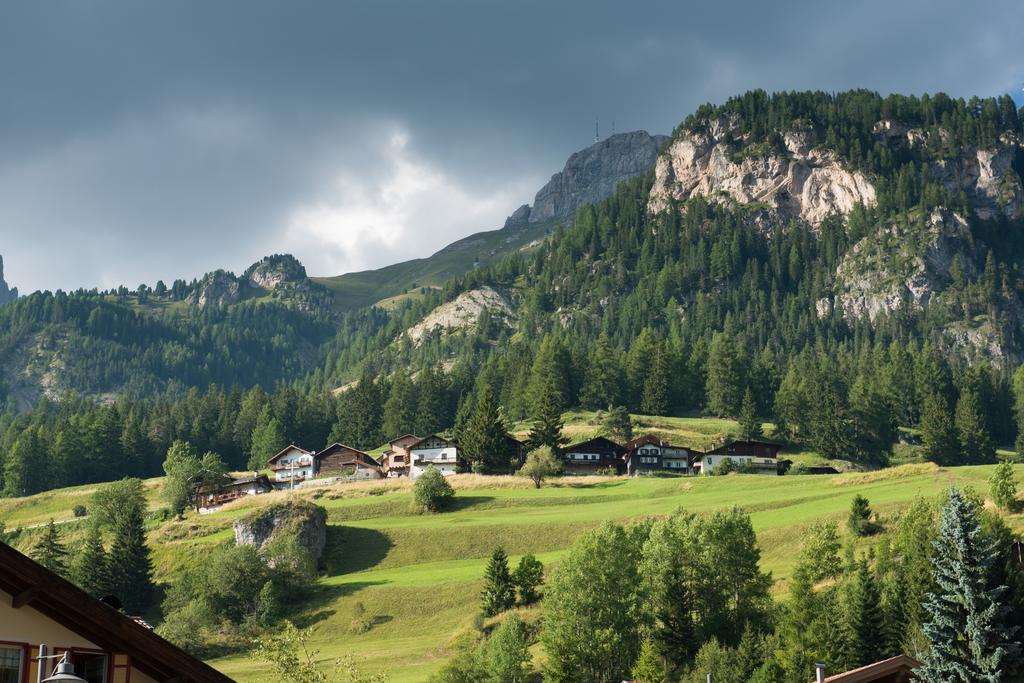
(352, 549)
(459, 503)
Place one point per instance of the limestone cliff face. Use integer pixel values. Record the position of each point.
(302, 521)
(271, 271)
(219, 288)
(592, 174)
(464, 311)
(805, 181)
(903, 264)
(7, 294)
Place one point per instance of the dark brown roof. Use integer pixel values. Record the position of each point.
(451, 442)
(34, 586)
(893, 669)
(598, 442)
(286, 449)
(646, 440)
(404, 440)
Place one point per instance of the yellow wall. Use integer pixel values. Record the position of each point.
(26, 625)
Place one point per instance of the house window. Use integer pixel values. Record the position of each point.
(91, 666)
(10, 664)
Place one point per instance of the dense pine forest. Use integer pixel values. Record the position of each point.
(683, 311)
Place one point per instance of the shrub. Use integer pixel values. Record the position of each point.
(1003, 486)
(529, 574)
(79, 510)
(820, 551)
(859, 521)
(432, 492)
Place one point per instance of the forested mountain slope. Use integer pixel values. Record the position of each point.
(849, 262)
(589, 175)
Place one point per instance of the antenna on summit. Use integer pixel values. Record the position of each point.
(597, 132)
(613, 126)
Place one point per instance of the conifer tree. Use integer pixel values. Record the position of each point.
(618, 423)
(750, 424)
(972, 430)
(400, 408)
(602, 379)
(650, 665)
(657, 386)
(941, 444)
(131, 570)
(483, 438)
(966, 627)
(89, 567)
(267, 439)
(801, 651)
(859, 520)
(499, 592)
(430, 402)
(726, 376)
(549, 379)
(546, 427)
(529, 574)
(50, 552)
(863, 623)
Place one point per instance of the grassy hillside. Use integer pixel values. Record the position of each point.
(368, 287)
(418, 576)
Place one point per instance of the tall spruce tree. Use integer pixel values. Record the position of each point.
(267, 439)
(603, 377)
(750, 424)
(727, 375)
(499, 593)
(939, 434)
(89, 567)
(483, 438)
(131, 569)
(50, 551)
(657, 387)
(972, 429)
(863, 623)
(400, 408)
(546, 427)
(966, 629)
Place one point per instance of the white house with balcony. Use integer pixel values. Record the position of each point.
(433, 450)
(293, 465)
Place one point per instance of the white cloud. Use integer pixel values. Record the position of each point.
(407, 209)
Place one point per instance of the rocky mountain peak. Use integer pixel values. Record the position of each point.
(271, 271)
(804, 181)
(219, 288)
(590, 175)
(7, 294)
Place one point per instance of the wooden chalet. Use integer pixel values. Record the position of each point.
(215, 496)
(436, 451)
(344, 461)
(760, 457)
(292, 464)
(516, 451)
(104, 645)
(898, 669)
(588, 457)
(395, 461)
(648, 453)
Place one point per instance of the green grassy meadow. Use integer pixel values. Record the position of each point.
(418, 576)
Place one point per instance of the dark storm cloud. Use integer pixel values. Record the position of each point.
(144, 140)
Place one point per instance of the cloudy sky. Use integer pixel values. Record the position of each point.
(152, 140)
